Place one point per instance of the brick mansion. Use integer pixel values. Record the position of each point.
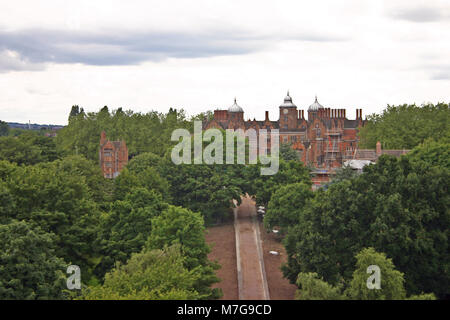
(323, 141)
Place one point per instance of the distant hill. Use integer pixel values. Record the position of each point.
(33, 126)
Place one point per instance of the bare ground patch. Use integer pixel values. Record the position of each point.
(279, 287)
(222, 239)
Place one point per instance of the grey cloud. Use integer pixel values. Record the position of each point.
(437, 71)
(10, 61)
(420, 14)
(37, 46)
(441, 75)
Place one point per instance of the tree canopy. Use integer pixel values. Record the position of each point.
(406, 126)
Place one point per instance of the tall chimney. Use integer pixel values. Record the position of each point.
(378, 149)
(357, 117)
(267, 115)
(303, 114)
(102, 138)
(344, 113)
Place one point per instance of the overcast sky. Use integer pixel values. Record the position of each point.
(199, 55)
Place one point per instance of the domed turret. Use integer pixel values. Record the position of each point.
(315, 106)
(235, 107)
(288, 102)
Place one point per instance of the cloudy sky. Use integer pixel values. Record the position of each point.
(199, 55)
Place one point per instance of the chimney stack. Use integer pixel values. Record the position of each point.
(267, 115)
(378, 149)
(102, 138)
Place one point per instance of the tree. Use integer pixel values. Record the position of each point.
(208, 189)
(4, 128)
(262, 187)
(286, 204)
(148, 275)
(406, 126)
(74, 112)
(312, 287)
(143, 161)
(29, 268)
(59, 202)
(391, 280)
(431, 153)
(287, 153)
(147, 178)
(128, 225)
(179, 226)
(344, 173)
(148, 132)
(28, 148)
(395, 206)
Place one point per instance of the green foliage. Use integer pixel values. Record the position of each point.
(148, 132)
(203, 188)
(128, 225)
(431, 153)
(423, 296)
(149, 275)
(262, 187)
(4, 128)
(392, 282)
(287, 153)
(143, 161)
(285, 205)
(148, 178)
(27, 148)
(311, 287)
(179, 226)
(51, 196)
(406, 126)
(344, 173)
(29, 268)
(398, 206)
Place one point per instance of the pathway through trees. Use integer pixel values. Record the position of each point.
(252, 282)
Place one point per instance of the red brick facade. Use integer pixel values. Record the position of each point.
(323, 141)
(113, 156)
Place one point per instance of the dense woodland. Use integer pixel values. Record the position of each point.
(141, 235)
